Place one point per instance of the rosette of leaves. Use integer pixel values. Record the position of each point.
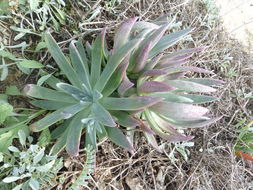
(152, 73)
(86, 98)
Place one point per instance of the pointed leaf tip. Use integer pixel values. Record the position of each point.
(27, 88)
(33, 128)
(154, 86)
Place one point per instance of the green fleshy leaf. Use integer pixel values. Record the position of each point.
(102, 115)
(56, 116)
(114, 62)
(97, 57)
(79, 63)
(74, 134)
(119, 138)
(48, 94)
(31, 64)
(199, 99)
(49, 104)
(61, 60)
(167, 41)
(132, 103)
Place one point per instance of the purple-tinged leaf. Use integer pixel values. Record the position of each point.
(152, 40)
(156, 36)
(159, 127)
(47, 94)
(154, 86)
(131, 103)
(205, 81)
(177, 138)
(188, 68)
(175, 76)
(178, 110)
(119, 138)
(142, 58)
(125, 119)
(176, 58)
(199, 99)
(153, 73)
(189, 86)
(152, 141)
(184, 52)
(143, 25)
(114, 62)
(144, 127)
(170, 64)
(196, 123)
(153, 62)
(169, 97)
(123, 33)
(116, 78)
(164, 125)
(168, 40)
(124, 86)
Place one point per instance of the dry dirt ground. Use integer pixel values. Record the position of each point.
(211, 164)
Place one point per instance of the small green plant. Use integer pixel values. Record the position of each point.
(7, 59)
(11, 122)
(28, 166)
(244, 143)
(88, 168)
(132, 85)
(181, 148)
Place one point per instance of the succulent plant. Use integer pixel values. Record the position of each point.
(151, 73)
(133, 85)
(85, 102)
